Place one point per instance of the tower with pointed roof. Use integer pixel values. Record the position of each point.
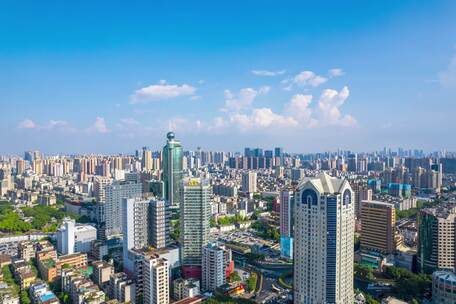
(323, 243)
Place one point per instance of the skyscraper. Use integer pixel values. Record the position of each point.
(286, 224)
(115, 192)
(323, 241)
(195, 214)
(172, 169)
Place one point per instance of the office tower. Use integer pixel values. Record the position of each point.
(172, 169)
(216, 264)
(156, 281)
(159, 224)
(377, 227)
(323, 241)
(436, 238)
(443, 291)
(115, 192)
(195, 214)
(249, 182)
(74, 238)
(146, 161)
(286, 224)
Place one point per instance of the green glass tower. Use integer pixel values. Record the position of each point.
(172, 169)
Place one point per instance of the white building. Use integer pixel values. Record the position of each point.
(323, 241)
(185, 288)
(249, 182)
(216, 259)
(195, 214)
(156, 281)
(135, 227)
(73, 238)
(115, 192)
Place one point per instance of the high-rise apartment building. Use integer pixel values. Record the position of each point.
(437, 238)
(249, 182)
(172, 169)
(145, 223)
(159, 224)
(115, 192)
(195, 214)
(323, 241)
(146, 161)
(156, 281)
(378, 220)
(286, 224)
(216, 263)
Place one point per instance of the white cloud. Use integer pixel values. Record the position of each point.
(335, 73)
(305, 78)
(160, 91)
(99, 126)
(447, 78)
(265, 73)
(299, 108)
(261, 118)
(242, 100)
(328, 110)
(52, 124)
(27, 124)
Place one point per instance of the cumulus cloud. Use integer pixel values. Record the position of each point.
(261, 118)
(161, 91)
(447, 78)
(299, 108)
(99, 126)
(305, 78)
(335, 73)
(329, 104)
(243, 99)
(27, 124)
(265, 73)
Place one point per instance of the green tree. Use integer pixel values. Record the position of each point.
(234, 277)
(24, 298)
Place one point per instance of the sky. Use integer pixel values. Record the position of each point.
(309, 76)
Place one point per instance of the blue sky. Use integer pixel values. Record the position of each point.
(113, 76)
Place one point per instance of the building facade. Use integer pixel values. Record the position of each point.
(172, 169)
(195, 215)
(323, 241)
(378, 220)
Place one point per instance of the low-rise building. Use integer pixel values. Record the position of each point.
(121, 288)
(186, 288)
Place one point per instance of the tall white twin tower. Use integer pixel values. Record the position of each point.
(323, 245)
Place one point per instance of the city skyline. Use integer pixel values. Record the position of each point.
(308, 77)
